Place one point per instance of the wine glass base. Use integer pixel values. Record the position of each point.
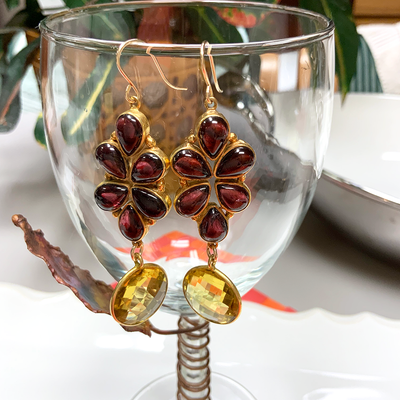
(222, 388)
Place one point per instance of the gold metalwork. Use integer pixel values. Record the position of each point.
(211, 112)
(211, 101)
(135, 100)
(209, 292)
(141, 291)
(139, 294)
(187, 185)
(230, 147)
(239, 182)
(212, 295)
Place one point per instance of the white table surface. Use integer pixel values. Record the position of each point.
(319, 269)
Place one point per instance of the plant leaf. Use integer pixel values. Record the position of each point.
(94, 294)
(117, 26)
(39, 131)
(11, 82)
(79, 121)
(12, 4)
(346, 37)
(29, 17)
(11, 118)
(211, 27)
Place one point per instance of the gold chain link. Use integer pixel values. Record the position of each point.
(137, 255)
(212, 254)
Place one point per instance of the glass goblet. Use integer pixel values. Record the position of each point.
(275, 66)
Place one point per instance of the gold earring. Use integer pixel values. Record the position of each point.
(209, 292)
(134, 191)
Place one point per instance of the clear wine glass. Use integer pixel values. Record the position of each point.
(275, 66)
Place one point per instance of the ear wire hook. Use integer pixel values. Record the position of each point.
(135, 100)
(209, 92)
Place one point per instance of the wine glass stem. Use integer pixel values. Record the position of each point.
(193, 361)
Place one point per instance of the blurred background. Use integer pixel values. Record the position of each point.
(346, 255)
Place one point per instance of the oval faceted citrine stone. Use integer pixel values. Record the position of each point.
(139, 294)
(212, 295)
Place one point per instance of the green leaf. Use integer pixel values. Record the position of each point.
(11, 82)
(29, 17)
(346, 37)
(117, 26)
(8, 123)
(80, 120)
(12, 4)
(39, 131)
(211, 27)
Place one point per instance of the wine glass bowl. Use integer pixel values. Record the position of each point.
(275, 67)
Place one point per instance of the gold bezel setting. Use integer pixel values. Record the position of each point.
(187, 187)
(217, 275)
(203, 117)
(137, 271)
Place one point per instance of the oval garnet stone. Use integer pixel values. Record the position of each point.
(149, 203)
(129, 132)
(213, 227)
(233, 197)
(236, 162)
(192, 201)
(190, 164)
(111, 160)
(213, 134)
(130, 224)
(110, 197)
(148, 168)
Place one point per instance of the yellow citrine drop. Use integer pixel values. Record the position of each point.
(139, 294)
(212, 295)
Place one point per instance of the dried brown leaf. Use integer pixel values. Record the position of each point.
(94, 294)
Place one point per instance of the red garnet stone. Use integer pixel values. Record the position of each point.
(110, 197)
(129, 132)
(148, 168)
(130, 224)
(236, 162)
(213, 134)
(213, 227)
(148, 203)
(111, 160)
(233, 197)
(190, 164)
(192, 201)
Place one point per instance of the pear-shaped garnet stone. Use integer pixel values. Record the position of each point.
(233, 197)
(191, 164)
(130, 224)
(214, 226)
(213, 134)
(148, 203)
(192, 201)
(111, 160)
(129, 132)
(236, 162)
(110, 197)
(147, 169)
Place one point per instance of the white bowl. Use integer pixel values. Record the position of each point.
(359, 191)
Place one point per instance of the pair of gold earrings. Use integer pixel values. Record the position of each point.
(134, 191)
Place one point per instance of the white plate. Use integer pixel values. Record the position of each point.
(364, 147)
(52, 348)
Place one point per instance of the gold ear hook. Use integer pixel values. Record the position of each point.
(167, 82)
(135, 100)
(209, 91)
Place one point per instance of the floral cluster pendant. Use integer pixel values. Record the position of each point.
(133, 190)
(208, 291)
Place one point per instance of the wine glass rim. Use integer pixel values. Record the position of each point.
(189, 49)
